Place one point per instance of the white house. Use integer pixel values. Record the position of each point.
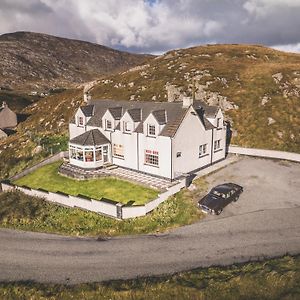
(166, 139)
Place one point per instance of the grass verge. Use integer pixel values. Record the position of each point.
(23, 212)
(47, 178)
(271, 279)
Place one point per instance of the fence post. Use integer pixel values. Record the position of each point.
(119, 210)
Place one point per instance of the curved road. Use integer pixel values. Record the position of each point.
(52, 258)
(265, 222)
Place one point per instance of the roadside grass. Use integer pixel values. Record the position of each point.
(20, 211)
(271, 279)
(47, 178)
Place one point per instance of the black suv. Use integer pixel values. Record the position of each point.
(219, 197)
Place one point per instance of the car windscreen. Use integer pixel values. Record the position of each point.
(217, 193)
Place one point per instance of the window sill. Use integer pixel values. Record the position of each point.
(151, 136)
(203, 155)
(148, 165)
(118, 157)
(218, 150)
(128, 132)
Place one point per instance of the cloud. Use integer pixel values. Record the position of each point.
(158, 25)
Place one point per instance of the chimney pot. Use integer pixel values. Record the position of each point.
(187, 102)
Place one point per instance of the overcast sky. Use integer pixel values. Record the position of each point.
(155, 26)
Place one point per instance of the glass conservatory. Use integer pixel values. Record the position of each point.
(90, 150)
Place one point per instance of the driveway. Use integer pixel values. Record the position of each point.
(268, 184)
(265, 222)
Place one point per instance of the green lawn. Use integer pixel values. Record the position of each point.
(47, 178)
(271, 279)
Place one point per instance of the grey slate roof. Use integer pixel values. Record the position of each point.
(160, 116)
(116, 112)
(169, 113)
(8, 118)
(136, 114)
(87, 110)
(90, 138)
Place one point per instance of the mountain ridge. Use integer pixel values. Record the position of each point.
(36, 61)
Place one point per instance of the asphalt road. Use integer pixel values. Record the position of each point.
(249, 229)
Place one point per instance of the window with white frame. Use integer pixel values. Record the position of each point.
(202, 150)
(118, 151)
(218, 122)
(217, 145)
(108, 125)
(80, 121)
(127, 126)
(151, 158)
(151, 129)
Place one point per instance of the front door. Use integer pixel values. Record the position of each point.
(105, 154)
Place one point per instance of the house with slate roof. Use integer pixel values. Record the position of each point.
(8, 119)
(166, 139)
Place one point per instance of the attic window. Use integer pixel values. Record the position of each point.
(80, 121)
(218, 122)
(127, 127)
(108, 125)
(151, 130)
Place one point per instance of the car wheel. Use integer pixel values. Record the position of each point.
(235, 199)
(219, 211)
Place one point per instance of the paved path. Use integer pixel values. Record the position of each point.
(249, 229)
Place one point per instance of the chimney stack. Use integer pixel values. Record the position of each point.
(87, 97)
(187, 102)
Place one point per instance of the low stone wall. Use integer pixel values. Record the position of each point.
(49, 160)
(103, 206)
(265, 153)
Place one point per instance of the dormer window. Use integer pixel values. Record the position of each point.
(80, 121)
(218, 122)
(108, 125)
(127, 127)
(151, 130)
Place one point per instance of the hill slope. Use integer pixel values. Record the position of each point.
(257, 87)
(37, 61)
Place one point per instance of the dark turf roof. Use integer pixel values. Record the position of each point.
(87, 110)
(90, 138)
(169, 113)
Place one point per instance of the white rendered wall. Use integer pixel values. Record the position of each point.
(190, 135)
(219, 134)
(161, 144)
(129, 142)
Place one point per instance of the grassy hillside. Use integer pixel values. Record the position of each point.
(272, 279)
(259, 89)
(38, 62)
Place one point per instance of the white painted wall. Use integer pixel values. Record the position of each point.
(75, 129)
(219, 134)
(129, 142)
(162, 144)
(190, 135)
(151, 121)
